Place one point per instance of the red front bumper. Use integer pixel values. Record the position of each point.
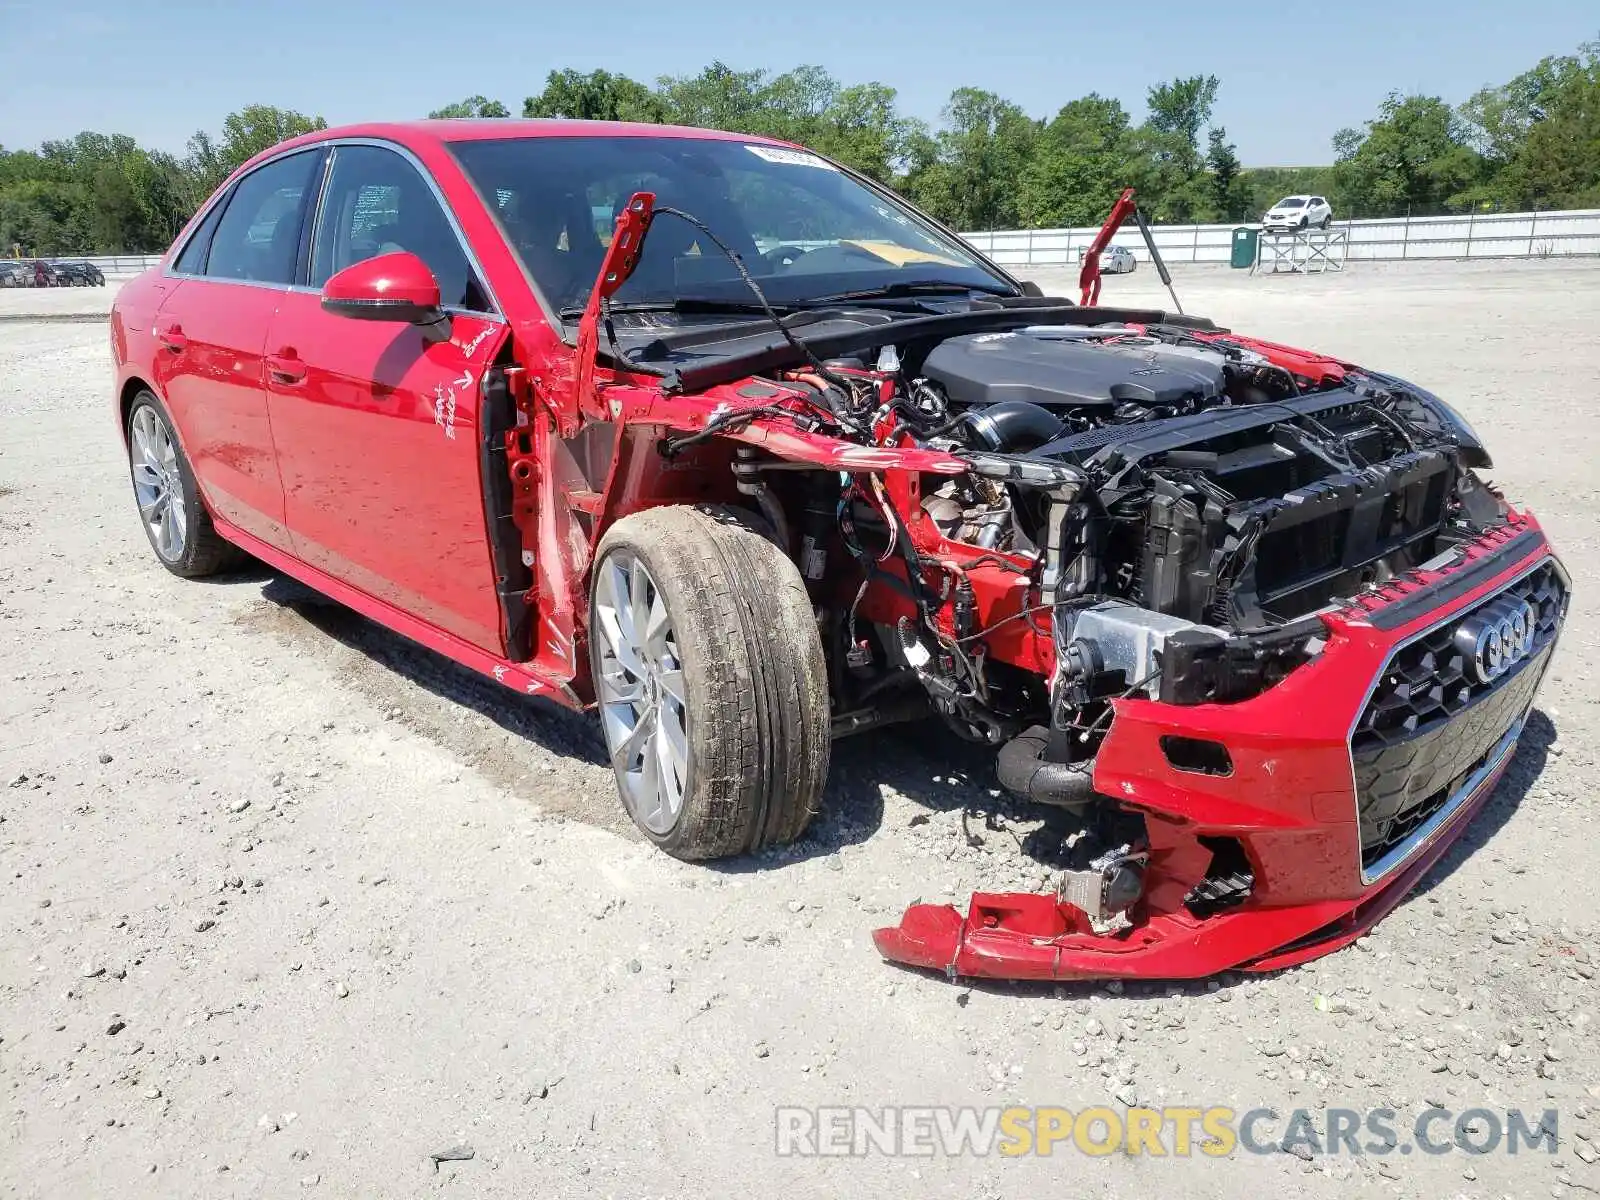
(1290, 803)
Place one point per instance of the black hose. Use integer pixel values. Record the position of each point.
(1022, 768)
(1014, 425)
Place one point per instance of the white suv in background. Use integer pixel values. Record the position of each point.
(1299, 212)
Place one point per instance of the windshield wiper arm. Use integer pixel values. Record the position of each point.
(927, 287)
(684, 304)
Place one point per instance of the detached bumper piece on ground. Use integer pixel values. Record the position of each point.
(1346, 784)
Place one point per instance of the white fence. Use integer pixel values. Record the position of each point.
(122, 264)
(1486, 235)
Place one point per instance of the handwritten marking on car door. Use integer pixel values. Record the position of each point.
(483, 336)
(444, 403)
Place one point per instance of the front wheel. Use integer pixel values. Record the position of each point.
(710, 681)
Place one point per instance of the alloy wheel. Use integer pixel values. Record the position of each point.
(641, 692)
(158, 484)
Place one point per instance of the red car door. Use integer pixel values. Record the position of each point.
(376, 424)
(211, 330)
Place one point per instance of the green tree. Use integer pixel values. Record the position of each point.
(594, 96)
(1413, 157)
(472, 106)
(245, 133)
(862, 128)
(1178, 112)
(1230, 195)
(1557, 162)
(39, 216)
(1167, 165)
(1499, 119)
(717, 98)
(924, 178)
(967, 173)
(795, 105)
(1078, 166)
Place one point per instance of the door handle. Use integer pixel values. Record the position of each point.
(286, 366)
(171, 336)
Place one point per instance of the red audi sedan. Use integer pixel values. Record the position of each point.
(726, 442)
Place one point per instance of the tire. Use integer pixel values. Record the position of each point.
(183, 537)
(748, 750)
(1304, 222)
(1326, 221)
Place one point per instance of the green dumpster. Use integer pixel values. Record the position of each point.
(1244, 247)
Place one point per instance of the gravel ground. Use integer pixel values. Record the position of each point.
(26, 304)
(293, 907)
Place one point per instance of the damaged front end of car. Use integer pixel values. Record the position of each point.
(1247, 615)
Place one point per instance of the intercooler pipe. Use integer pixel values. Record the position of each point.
(1014, 426)
(1023, 769)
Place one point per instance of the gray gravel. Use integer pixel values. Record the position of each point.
(204, 991)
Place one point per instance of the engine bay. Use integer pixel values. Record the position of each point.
(1165, 506)
(1224, 490)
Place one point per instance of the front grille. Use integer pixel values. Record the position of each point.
(1430, 725)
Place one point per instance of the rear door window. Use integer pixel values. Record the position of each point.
(192, 260)
(258, 237)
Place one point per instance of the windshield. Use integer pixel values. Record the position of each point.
(1291, 202)
(805, 229)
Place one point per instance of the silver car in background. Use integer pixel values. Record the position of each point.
(1115, 260)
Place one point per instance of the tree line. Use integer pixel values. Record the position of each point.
(1530, 143)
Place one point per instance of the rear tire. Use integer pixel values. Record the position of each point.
(171, 509)
(701, 625)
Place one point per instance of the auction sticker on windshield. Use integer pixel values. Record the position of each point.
(793, 158)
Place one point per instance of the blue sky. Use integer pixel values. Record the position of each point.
(160, 69)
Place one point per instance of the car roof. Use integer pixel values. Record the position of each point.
(411, 133)
(442, 131)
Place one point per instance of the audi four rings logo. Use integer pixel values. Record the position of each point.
(1497, 637)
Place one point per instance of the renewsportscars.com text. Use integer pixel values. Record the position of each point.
(1177, 1131)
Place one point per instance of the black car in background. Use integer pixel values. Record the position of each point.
(78, 274)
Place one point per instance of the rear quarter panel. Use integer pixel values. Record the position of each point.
(133, 347)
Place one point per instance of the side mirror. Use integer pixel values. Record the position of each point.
(1031, 289)
(390, 287)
